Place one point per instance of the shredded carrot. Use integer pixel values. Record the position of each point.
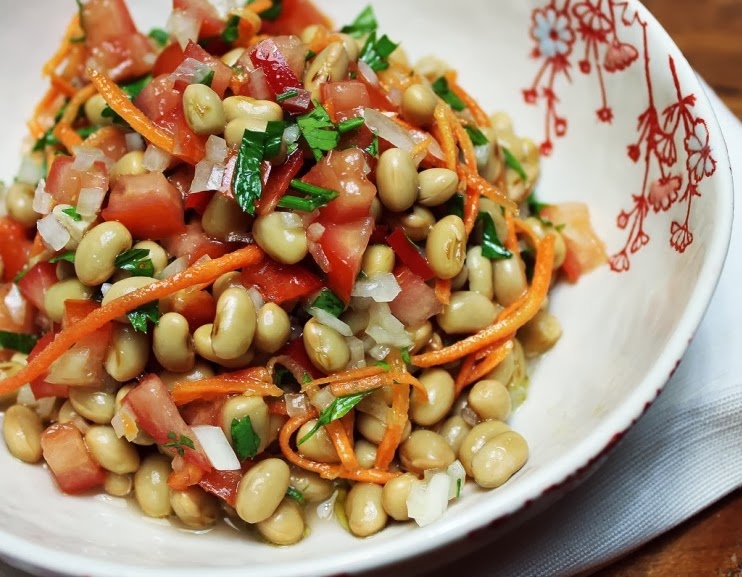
(465, 371)
(421, 147)
(396, 418)
(506, 323)
(345, 376)
(479, 115)
(248, 27)
(73, 30)
(445, 135)
(63, 85)
(511, 241)
(495, 354)
(486, 189)
(64, 131)
(67, 136)
(203, 272)
(120, 103)
(259, 6)
(254, 381)
(35, 129)
(102, 135)
(278, 407)
(527, 229)
(443, 290)
(471, 207)
(343, 446)
(391, 378)
(465, 143)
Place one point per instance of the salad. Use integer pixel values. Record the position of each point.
(255, 267)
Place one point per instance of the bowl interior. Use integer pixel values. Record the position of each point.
(665, 218)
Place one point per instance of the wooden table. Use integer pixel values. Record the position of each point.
(709, 32)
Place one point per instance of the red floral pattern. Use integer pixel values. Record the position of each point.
(588, 31)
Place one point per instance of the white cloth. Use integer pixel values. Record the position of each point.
(682, 456)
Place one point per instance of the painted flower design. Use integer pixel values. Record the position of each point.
(552, 31)
(619, 56)
(664, 192)
(700, 163)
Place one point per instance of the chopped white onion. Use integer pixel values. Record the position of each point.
(31, 171)
(379, 352)
(54, 235)
(395, 96)
(326, 509)
(183, 27)
(15, 304)
(156, 159)
(427, 502)
(297, 404)
(243, 237)
(86, 156)
(217, 448)
(216, 149)
(314, 233)
(435, 149)
(90, 201)
(208, 176)
(42, 200)
(45, 407)
(385, 328)
(330, 320)
(457, 474)
(483, 153)
(105, 287)
(368, 73)
(357, 353)
(322, 399)
(257, 298)
(386, 128)
(178, 265)
(191, 71)
(124, 423)
(291, 134)
(134, 141)
(382, 287)
(25, 396)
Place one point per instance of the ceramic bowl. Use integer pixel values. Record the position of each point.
(624, 126)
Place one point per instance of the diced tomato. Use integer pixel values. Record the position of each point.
(185, 474)
(147, 204)
(181, 179)
(585, 250)
(279, 283)
(39, 386)
(279, 74)
(159, 98)
(378, 97)
(409, 254)
(278, 182)
(189, 146)
(16, 315)
(344, 171)
(295, 16)
(110, 140)
(198, 201)
(198, 307)
(158, 416)
(416, 302)
(205, 13)
(168, 60)
(36, 281)
(343, 246)
(194, 243)
(298, 353)
(223, 484)
(222, 72)
(204, 412)
(64, 182)
(344, 100)
(105, 19)
(69, 460)
(14, 247)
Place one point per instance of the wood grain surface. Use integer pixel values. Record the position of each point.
(709, 32)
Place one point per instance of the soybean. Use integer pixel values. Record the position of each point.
(261, 490)
(509, 280)
(425, 450)
(490, 400)
(480, 273)
(19, 202)
(256, 408)
(446, 246)
(272, 329)
(418, 104)
(282, 235)
(234, 324)
(330, 65)
(251, 108)
(172, 345)
(112, 453)
(326, 348)
(363, 506)
(195, 508)
(285, 526)
(397, 180)
(150, 486)
(441, 390)
(157, 254)
(203, 109)
(56, 295)
(319, 446)
(540, 334)
(394, 496)
(118, 485)
(437, 186)
(95, 405)
(203, 345)
(313, 488)
(223, 217)
(416, 224)
(130, 164)
(466, 312)
(127, 354)
(22, 430)
(499, 459)
(96, 255)
(454, 430)
(476, 439)
(378, 258)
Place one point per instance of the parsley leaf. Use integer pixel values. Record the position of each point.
(231, 30)
(72, 213)
(160, 36)
(47, 140)
(137, 261)
(296, 495)
(405, 352)
(86, 131)
(456, 205)
(373, 148)
(476, 135)
(458, 488)
(139, 317)
(365, 23)
(491, 245)
(514, 163)
(440, 87)
(23, 343)
(328, 301)
(208, 78)
(273, 138)
(384, 365)
(247, 183)
(273, 12)
(290, 93)
(246, 440)
(375, 52)
(179, 443)
(350, 124)
(535, 206)
(340, 407)
(318, 130)
(318, 197)
(69, 256)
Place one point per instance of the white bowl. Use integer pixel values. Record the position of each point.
(625, 327)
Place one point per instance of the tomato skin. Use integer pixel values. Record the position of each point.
(298, 353)
(198, 307)
(416, 302)
(278, 182)
(344, 100)
(223, 484)
(222, 72)
(110, 140)
(39, 386)
(279, 75)
(15, 248)
(159, 98)
(36, 281)
(204, 12)
(69, 460)
(279, 283)
(194, 243)
(168, 60)
(408, 253)
(64, 182)
(295, 16)
(343, 246)
(147, 204)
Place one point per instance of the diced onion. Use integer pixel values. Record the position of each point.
(25, 396)
(54, 235)
(178, 265)
(368, 73)
(156, 159)
(457, 474)
(257, 298)
(217, 448)
(297, 405)
(105, 287)
(427, 502)
(395, 96)
(291, 134)
(330, 320)
(322, 399)
(191, 71)
(42, 200)
(216, 149)
(31, 171)
(183, 27)
(386, 128)
(326, 509)
(45, 407)
(124, 423)
(134, 141)
(73, 368)
(379, 352)
(15, 304)
(382, 287)
(357, 353)
(86, 156)
(90, 201)
(385, 328)
(208, 176)
(483, 153)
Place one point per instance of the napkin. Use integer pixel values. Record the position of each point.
(682, 456)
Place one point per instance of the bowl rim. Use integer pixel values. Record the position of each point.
(573, 464)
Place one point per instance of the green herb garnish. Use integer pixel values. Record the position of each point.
(405, 352)
(160, 36)
(514, 163)
(309, 55)
(47, 140)
(132, 90)
(21, 342)
(208, 78)
(231, 30)
(373, 148)
(68, 256)
(340, 407)
(375, 52)
(319, 131)
(72, 213)
(290, 93)
(458, 488)
(477, 136)
(534, 205)
(246, 440)
(365, 23)
(273, 12)
(86, 131)
(247, 184)
(137, 261)
(441, 88)
(328, 301)
(139, 317)
(318, 197)
(273, 138)
(492, 247)
(384, 365)
(179, 443)
(350, 124)
(456, 205)
(296, 495)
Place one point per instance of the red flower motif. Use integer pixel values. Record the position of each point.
(666, 150)
(664, 192)
(605, 114)
(641, 240)
(634, 152)
(619, 262)
(546, 148)
(623, 219)
(700, 163)
(560, 126)
(585, 66)
(593, 22)
(680, 237)
(619, 56)
(530, 95)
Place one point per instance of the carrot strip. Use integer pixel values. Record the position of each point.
(344, 376)
(443, 290)
(119, 102)
(445, 135)
(421, 147)
(253, 381)
(465, 371)
(260, 6)
(511, 242)
(471, 207)
(340, 438)
(278, 407)
(487, 189)
(67, 136)
(63, 131)
(396, 418)
(465, 143)
(73, 30)
(63, 85)
(479, 115)
(495, 354)
(391, 378)
(506, 324)
(35, 128)
(524, 227)
(203, 272)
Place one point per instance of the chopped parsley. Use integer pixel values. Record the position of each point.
(21, 342)
(246, 440)
(139, 317)
(365, 23)
(384, 365)
(318, 197)
(309, 55)
(328, 301)
(273, 138)
(247, 184)
(318, 130)
(72, 213)
(476, 135)
(375, 52)
(48, 139)
(350, 124)
(231, 30)
(458, 488)
(456, 205)
(492, 247)
(160, 36)
(137, 261)
(68, 256)
(340, 407)
(441, 88)
(86, 131)
(290, 93)
(514, 163)
(405, 352)
(208, 78)
(373, 148)
(179, 444)
(273, 12)
(534, 205)
(296, 495)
